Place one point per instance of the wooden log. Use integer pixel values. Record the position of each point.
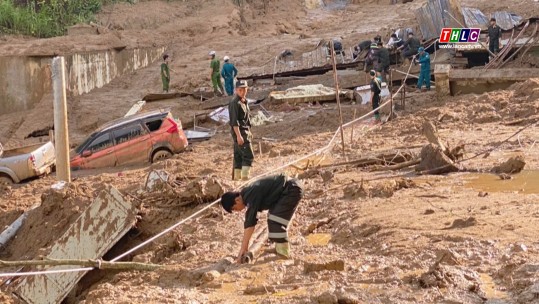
(99, 264)
(397, 166)
(256, 246)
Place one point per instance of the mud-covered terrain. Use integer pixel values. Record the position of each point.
(362, 233)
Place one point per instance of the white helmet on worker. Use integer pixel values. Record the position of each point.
(212, 53)
(226, 58)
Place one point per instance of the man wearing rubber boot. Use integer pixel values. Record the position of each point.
(240, 128)
(280, 196)
(424, 73)
(376, 89)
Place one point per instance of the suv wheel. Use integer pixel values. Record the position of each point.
(160, 155)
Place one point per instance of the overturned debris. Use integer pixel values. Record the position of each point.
(305, 94)
(97, 229)
(434, 161)
(511, 166)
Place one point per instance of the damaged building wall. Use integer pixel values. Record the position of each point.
(87, 71)
(29, 78)
(23, 83)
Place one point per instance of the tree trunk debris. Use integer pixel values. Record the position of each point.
(99, 264)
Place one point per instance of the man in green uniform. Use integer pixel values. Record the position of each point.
(215, 75)
(277, 194)
(240, 129)
(165, 73)
(494, 36)
(383, 66)
(376, 89)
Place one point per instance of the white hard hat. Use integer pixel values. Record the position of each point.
(212, 53)
(226, 58)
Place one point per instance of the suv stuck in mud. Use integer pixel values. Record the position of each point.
(149, 136)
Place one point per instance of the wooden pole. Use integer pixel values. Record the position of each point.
(84, 263)
(260, 238)
(61, 133)
(336, 78)
(390, 84)
(353, 125)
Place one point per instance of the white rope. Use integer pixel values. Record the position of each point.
(143, 244)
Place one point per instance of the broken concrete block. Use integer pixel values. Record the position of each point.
(337, 265)
(156, 179)
(511, 166)
(434, 161)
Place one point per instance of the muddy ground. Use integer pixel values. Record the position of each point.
(359, 236)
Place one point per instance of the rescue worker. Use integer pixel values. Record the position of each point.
(394, 42)
(383, 67)
(494, 36)
(277, 194)
(240, 129)
(376, 89)
(363, 45)
(165, 73)
(424, 74)
(410, 47)
(373, 58)
(337, 46)
(215, 76)
(377, 39)
(229, 73)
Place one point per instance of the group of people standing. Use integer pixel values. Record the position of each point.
(228, 73)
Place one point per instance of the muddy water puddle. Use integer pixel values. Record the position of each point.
(526, 182)
(489, 287)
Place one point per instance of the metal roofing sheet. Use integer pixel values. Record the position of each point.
(475, 18)
(507, 20)
(436, 14)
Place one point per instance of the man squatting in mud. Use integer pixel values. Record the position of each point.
(278, 194)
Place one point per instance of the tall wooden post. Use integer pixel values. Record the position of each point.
(61, 134)
(390, 84)
(334, 62)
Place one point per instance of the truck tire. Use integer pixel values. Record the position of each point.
(161, 155)
(5, 180)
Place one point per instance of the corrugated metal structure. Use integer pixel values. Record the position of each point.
(436, 14)
(97, 229)
(507, 20)
(475, 18)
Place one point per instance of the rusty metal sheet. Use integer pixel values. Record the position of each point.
(507, 20)
(98, 228)
(432, 17)
(475, 18)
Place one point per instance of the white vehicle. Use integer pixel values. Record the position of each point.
(22, 163)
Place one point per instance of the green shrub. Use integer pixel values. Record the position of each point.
(46, 18)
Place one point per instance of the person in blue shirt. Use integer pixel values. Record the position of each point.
(424, 75)
(229, 72)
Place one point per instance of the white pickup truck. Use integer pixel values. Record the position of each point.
(22, 163)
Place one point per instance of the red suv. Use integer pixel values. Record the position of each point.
(149, 136)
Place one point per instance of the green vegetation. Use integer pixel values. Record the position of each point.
(45, 18)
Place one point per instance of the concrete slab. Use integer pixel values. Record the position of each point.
(479, 81)
(94, 233)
